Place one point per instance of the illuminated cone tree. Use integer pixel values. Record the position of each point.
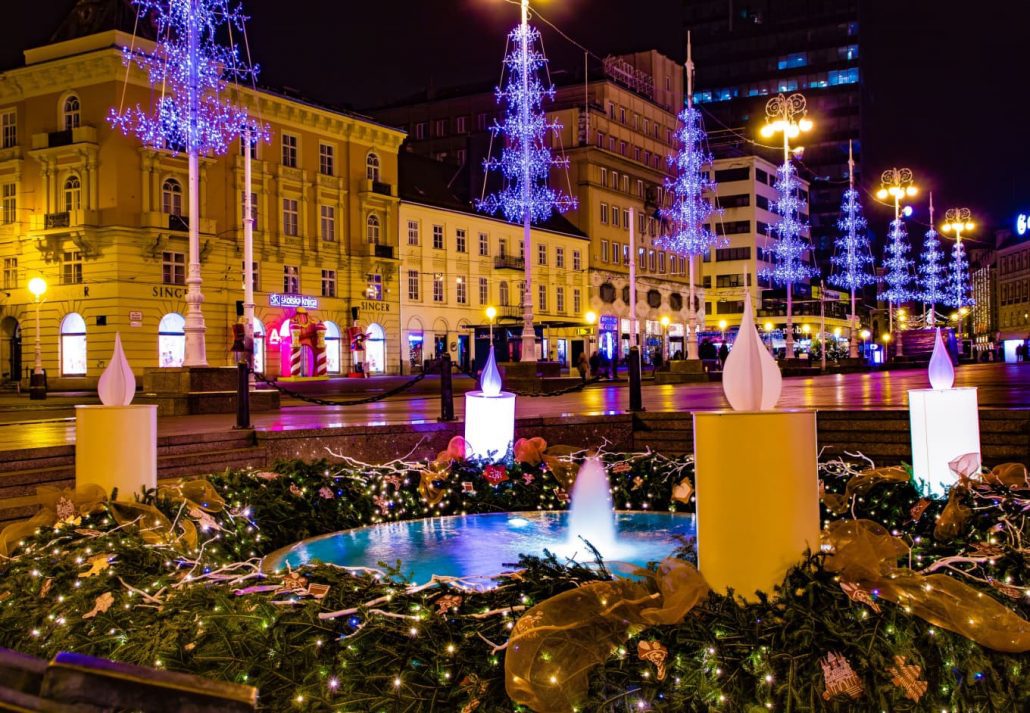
(932, 272)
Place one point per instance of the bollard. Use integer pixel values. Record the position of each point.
(636, 401)
(446, 389)
(242, 395)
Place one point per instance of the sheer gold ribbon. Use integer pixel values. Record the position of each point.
(861, 484)
(58, 505)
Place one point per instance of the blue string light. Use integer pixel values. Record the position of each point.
(789, 266)
(933, 279)
(691, 207)
(898, 267)
(958, 293)
(191, 114)
(853, 259)
(541, 200)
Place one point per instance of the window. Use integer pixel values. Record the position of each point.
(652, 263)
(604, 251)
(9, 208)
(412, 232)
(253, 208)
(723, 254)
(72, 112)
(171, 197)
(413, 285)
(482, 121)
(739, 200)
(327, 215)
(438, 287)
(484, 245)
(460, 125)
(484, 290)
(171, 340)
(641, 258)
(611, 144)
(73, 345)
(762, 202)
(374, 286)
(600, 140)
(661, 262)
(438, 237)
(613, 181)
(604, 214)
(173, 268)
(372, 229)
(461, 290)
(460, 243)
(541, 254)
(72, 193)
(622, 114)
(576, 301)
(255, 275)
(502, 247)
(440, 127)
(289, 143)
(10, 273)
(577, 260)
(604, 176)
(502, 296)
(641, 222)
(372, 166)
(615, 216)
(290, 216)
(622, 148)
(640, 188)
(326, 159)
(734, 280)
(420, 130)
(734, 227)
(625, 219)
(71, 268)
(291, 279)
(542, 292)
(329, 283)
(253, 146)
(625, 254)
(8, 129)
(559, 257)
(559, 299)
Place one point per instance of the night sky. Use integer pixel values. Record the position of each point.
(949, 90)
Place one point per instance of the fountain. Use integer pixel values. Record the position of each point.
(479, 547)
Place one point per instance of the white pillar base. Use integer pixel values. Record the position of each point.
(116, 447)
(945, 424)
(757, 497)
(489, 424)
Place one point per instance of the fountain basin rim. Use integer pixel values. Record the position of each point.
(272, 557)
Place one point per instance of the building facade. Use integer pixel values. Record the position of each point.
(618, 130)
(1013, 273)
(456, 262)
(747, 51)
(104, 221)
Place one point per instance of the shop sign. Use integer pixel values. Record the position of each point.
(609, 323)
(276, 299)
(1022, 223)
(374, 306)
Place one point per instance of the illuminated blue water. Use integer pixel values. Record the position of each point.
(477, 546)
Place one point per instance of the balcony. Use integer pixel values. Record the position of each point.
(62, 220)
(383, 189)
(175, 223)
(507, 262)
(56, 139)
(178, 222)
(385, 251)
(56, 220)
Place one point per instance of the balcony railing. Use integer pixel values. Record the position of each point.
(385, 251)
(381, 188)
(59, 138)
(507, 262)
(57, 220)
(178, 222)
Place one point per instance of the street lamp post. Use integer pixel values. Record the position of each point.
(37, 384)
(722, 329)
(665, 337)
(786, 115)
(956, 220)
(896, 183)
(491, 314)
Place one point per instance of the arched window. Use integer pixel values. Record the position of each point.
(171, 197)
(171, 340)
(372, 229)
(73, 345)
(72, 193)
(375, 349)
(504, 294)
(71, 111)
(372, 166)
(259, 346)
(332, 347)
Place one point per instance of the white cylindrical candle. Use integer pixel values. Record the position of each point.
(489, 424)
(945, 425)
(116, 447)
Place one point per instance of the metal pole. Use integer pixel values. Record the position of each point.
(853, 336)
(446, 389)
(528, 333)
(248, 251)
(899, 347)
(692, 308)
(632, 278)
(822, 320)
(196, 349)
(242, 395)
(37, 383)
(636, 401)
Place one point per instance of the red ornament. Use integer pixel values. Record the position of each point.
(495, 474)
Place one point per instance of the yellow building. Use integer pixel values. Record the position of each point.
(104, 221)
(456, 262)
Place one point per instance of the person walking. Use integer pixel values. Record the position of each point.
(582, 365)
(724, 351)
(595, 364)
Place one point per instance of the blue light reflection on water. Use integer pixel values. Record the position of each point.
(483, 545)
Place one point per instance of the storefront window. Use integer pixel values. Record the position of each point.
(415, 350)
(73, 345)
(259, 346)
(375, 349)
(171, 340)
(332, 347)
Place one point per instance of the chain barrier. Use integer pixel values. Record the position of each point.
(568, 390)
(328, 402)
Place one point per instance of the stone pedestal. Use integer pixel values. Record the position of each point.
(116, 447)
(757, 497)
(535, 377)
(183, 391)
(682, 371)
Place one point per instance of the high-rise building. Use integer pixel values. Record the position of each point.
(618, 129)
(747, 51)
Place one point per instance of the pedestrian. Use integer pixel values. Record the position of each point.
(582, 365)
(1019, 352)
(595, 363)
(724, 351)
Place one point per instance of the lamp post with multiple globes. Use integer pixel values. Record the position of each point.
(896, 184)
(37, 384)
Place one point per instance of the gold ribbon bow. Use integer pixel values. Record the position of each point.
(862, 484)
(56, 505)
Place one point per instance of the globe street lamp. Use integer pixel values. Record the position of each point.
(956, 220)
(722, 328)
(491, 313)
(37, 384)
(665, 336)
(896, 183)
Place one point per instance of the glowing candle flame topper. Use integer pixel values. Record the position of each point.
(945, 425)
(489, 415)
(117, 385)
(751, 379)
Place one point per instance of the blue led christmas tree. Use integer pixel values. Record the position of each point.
(958, 290)
(189, 70)
(897, 266)
(932, 271)
(525, 162)
(853, 259)
(691, 206)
